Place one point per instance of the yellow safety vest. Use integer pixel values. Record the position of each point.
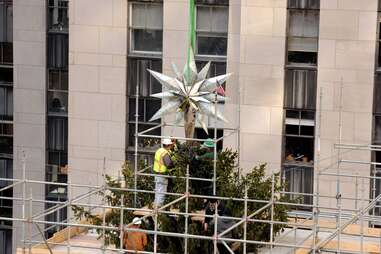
(158, 165)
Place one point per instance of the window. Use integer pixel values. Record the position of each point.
(6, 129)
(58, 51)
(201, 134)
(300, 89)
(6, 241)
(6, 76)
(6, 32)
(6, 170)
(299, 136)
(58, 15)
(304, 4)
(379, 41)
(216, 68)
(57, 102)
(144, 143)
(212, 2)
(57, 133)
(211, 30)
(303, 36)
(58, 80)
(6, 103)
(146, 27)
(57, 157)
(59, 216)
(138, 74)
(6, 146)
(299, 179)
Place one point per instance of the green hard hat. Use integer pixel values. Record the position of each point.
(208, 143)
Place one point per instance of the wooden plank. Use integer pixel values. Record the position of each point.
(370, 248)
(353, 229)
(63, 235)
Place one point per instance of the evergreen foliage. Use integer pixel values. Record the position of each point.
(229, 184)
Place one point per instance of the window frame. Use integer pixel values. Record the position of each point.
(63, 29)
(53, 50)
(292, 71)
(307, 4)
(145, 99)
(131, 50)
(211, 34)
(51, 144)
(288, 37)
(8, 95)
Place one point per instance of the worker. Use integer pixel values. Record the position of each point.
(135, 241)
(222, 223)
(162, 164)
(204, 160)
(208, 147)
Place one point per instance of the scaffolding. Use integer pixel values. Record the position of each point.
(344, 221)
(318, 228)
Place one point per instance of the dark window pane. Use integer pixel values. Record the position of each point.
(147, 40)
(6, 170)
(6, 53)
(152, 106)
(138, 74)
(57, 133)
(146, 143)
(6, 145)
(58, 50)
(377, 94)
(292, 129)
(379, 52)
(6, 21)
(58, 158)
(300, 89)
(299, 179)
(302, 57)
(216, 68)
(6, 129)
(57, 102)
(132, 109)
(309, 115)
(216, 46)
(58, 15)
(304, 4)
(201, 134)
(6, 103)
(58, 80)
(377, 129)
(6, 75)
(307, 130)
(292, 114)
(300, 148)
(213, 2)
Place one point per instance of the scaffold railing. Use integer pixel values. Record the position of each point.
(354, 220)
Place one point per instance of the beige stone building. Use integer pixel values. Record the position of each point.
(305, 77)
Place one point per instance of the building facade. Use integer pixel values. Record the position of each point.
(305, 76)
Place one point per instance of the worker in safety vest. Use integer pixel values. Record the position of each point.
(162, 164)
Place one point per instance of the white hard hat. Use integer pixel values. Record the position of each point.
(166, 141)
(137, 221)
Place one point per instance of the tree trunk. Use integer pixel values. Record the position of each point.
(189, 122)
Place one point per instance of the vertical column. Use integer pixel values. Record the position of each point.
(29, 100)
(175, 45)
(97, 88)
(256, 56)
(346, 66)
